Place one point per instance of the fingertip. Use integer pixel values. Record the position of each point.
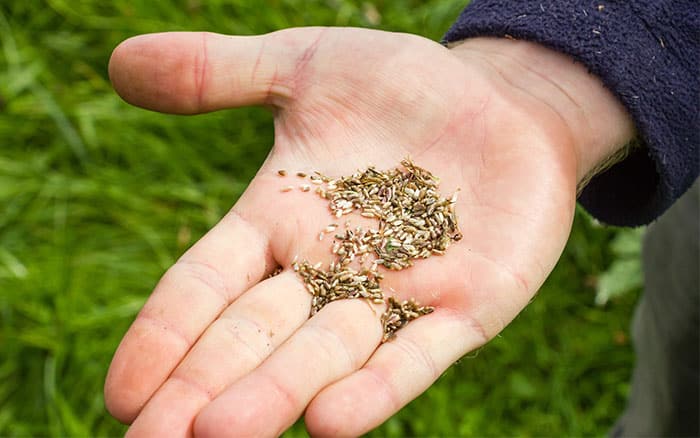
(119, 65)
(204, 424)
(119, 398)
(214, 419)
(119, 403)
(348, 407)
(159, 71)
(124, 396)
(138, 368)
(320, 424)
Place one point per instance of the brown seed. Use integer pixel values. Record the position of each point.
(282, 172)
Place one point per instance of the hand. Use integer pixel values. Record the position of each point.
(219, 349)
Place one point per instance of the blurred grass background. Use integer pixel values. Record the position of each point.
(98, 198)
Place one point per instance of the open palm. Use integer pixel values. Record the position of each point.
(219, 348)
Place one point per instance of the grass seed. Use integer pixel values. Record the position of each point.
(413, 222)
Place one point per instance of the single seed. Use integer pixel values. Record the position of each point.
(282, 172)
(301, 174)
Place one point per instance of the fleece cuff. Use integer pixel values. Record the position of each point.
(647, 52)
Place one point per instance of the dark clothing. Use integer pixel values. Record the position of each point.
(666, 381)
(648, 53)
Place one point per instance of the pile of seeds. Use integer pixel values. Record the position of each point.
(398, 314)
(339, 283)
(413, 221)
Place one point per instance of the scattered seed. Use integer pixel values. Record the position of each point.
(301, 174)
(282, 172)
(287, 189)
(305, 187)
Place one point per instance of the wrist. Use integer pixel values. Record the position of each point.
(599, 125)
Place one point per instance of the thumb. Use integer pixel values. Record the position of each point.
(195, 72)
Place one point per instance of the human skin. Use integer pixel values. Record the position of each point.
(220, 350)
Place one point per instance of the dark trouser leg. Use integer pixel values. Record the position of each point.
(665, 385)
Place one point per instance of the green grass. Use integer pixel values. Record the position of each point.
(99, 198)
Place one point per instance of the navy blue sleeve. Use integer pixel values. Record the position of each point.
(647, 52)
